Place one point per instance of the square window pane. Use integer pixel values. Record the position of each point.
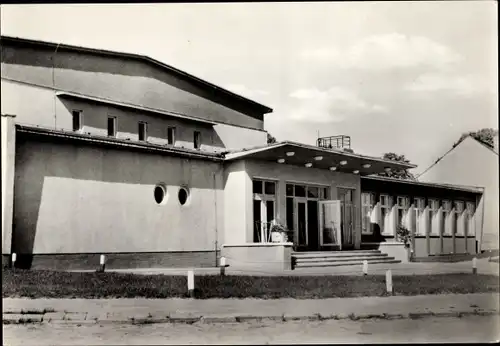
(257, 186)
(289, 189)
(300, 191)
(312, 192)
(270, 188)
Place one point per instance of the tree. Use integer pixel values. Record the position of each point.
(270, 139)
(398, 173)
(484, 136)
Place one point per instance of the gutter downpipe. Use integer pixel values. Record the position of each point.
(54, 85)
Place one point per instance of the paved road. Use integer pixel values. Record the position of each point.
(466, 329)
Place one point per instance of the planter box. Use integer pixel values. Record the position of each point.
(396, 250)
(258, 256)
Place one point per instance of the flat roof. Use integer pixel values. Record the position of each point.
(263, 109)
(134, 107)
(117, 143)
(474, 189)
(318, 157)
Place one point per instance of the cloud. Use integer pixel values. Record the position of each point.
(467, 85)
(244, 91)
(332, 105)
(387, 52)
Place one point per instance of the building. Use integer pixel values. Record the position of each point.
(471, 162)
(119, 154)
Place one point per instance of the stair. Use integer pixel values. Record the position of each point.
(340, 258)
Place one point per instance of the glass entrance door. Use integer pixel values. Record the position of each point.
(347, 216)
(329, 221)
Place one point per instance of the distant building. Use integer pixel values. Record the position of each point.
(473, 163)
(119, 154)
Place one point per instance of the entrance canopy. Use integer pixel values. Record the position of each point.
(304, 155)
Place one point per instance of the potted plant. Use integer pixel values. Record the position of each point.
(278, 232)
(403, 235)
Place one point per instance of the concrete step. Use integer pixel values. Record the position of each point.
(339, 255)
(339, 263)
(301, 253)
(381, 257)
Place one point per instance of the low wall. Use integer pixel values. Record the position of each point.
(258, 256)
(396, 250)
(444, 246)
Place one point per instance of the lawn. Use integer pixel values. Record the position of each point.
(53, 284)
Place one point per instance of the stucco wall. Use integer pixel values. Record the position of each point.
(8, 172)
(237, 202)
(83, 199)
(48, 110)
(288, 173)
(123, 80)
(470, 163)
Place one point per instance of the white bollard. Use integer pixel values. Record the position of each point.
(102, 263)
(14, 259)
(222, 265)
(388, 281)
(474, 265)
(190, 282)
(365, 267)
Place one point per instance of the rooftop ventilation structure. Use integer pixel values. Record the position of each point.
(340, 142)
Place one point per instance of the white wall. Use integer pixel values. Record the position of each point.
(8, 172)
(472, 164)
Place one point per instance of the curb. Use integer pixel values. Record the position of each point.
(190, 318)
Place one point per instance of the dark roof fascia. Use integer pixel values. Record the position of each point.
(471, 189)
(247, 151)
(118, 143)
(207, 85)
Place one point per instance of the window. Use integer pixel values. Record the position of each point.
(171, 135)
(257, 186)
(300, 191)
(312, 192)
(446, 206)
(77, 120)
(264, 209)
(385, 211)
(367, 202)
(160, 193)
(459, 207)
(325, 195)
(183, 195)
(143, 131)
(469, 212)
(289, 190)
(197, 139)
(269, 187)
(112, 126)
(403, 203)
(459, 210)
(433, 211)
(419, 204)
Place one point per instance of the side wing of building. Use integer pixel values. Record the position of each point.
(471, 163)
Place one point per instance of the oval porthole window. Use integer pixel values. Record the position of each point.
(160, 193)
(183, 195)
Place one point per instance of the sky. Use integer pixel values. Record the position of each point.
(404, 77)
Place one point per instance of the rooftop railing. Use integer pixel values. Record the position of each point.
(335, 142)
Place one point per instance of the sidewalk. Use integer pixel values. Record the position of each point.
(483, 267)
(84, 311)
